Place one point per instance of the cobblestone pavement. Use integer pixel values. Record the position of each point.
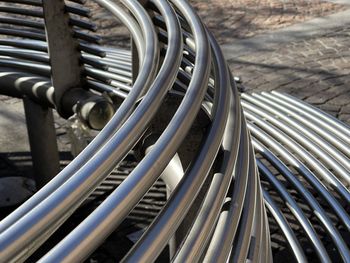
(314, 68)
(229, 19)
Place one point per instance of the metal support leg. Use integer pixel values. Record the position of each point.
(63, 51)
(171, 177)
(42, 140)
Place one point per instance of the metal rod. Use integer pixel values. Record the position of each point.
(145, 112)
(42, 139)
(322, 171)
(324, 118)
(64, 55)
(327, 131)
(145, 78)
(320, 148)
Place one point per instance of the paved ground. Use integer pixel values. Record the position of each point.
(235, 19)
(310, 60)
(296, 46)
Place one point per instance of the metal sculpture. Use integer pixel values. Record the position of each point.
(216, 207)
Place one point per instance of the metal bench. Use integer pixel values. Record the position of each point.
(180, 112)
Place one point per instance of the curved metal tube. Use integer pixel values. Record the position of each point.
(177, 56)
(287, 231)
(22, 225)
(118, 119)
(195, 176)
(322, 117)
(294, 208)
(317, 209)
(301, 168)
(320, 147)
(330, 178)
(305, 138)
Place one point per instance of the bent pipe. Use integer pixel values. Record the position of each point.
(183, 59)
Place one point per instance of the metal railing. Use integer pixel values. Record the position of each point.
(216, 201)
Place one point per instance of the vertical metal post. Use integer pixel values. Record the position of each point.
(42, 140)
(171, 176)
(63, 51)
(66, 74)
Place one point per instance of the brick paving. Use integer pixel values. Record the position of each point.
(232, 19)
(315, 69)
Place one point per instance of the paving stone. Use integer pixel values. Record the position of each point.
(246, 18)
(329, 108)
(13, 131)
(319, 97)
(346, 109)
(314, 69)
(345, 118)
(342, 99)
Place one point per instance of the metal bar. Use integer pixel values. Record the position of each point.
(312, 131)
(322, 171)
(112, 152)
(285, 228)
(323, 117)
(21, 22)
(240, 247)
(19, 84)
(297, 212)
(224, 233)
(145, 78)
(200, 233)
(300, 167)
(42, 139)
(240, 231)
(316, 208)
(63, 51)
(135, 58)
(324, 151)
(143, 182)
(327, 131)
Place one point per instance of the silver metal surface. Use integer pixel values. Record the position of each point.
(218, 201)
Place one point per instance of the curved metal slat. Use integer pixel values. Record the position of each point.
(25, 208)
(306, 138)
(231, 224)
(322, 171)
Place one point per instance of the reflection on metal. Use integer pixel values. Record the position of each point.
(312, 172)
(217, 200)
